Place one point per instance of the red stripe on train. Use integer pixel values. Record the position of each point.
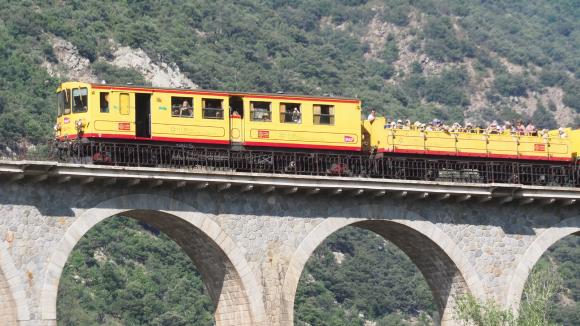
(305, 146)
(214, 141)
(155, 138)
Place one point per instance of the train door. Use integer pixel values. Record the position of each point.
(143, 115)
(236, 120)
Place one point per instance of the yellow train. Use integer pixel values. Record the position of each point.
(552, 146)
(250, 120)
(257, 120)
(114, 124)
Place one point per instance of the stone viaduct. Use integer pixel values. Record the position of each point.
(250, 235)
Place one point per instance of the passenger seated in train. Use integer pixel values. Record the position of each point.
(456, 127)
(175, 110)
(186, 110)
(469, 127)
(520, 128)
(562, 133)
(492, 128)
(104, 102)
(372, 116)
(507, 128)
(388, 124)
(260, 111)
(296, 116)
(531, 129)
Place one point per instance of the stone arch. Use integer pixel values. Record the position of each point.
(534, 252)
(222, 265)
(13, 302)
(446, 270)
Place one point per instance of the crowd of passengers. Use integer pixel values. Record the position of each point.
(518, 128)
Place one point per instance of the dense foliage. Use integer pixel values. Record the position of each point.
(305, 46)
(124, 273)
(375, 281)
(565, 254)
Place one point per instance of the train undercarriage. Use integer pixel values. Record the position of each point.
(364, 165)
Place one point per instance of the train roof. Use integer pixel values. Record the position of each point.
(282, 96)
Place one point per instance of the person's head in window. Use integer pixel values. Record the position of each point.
(296, 115)
(105, 102)
(186, 109)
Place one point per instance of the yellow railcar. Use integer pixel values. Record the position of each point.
(548, 147)
(259, 120)
(100, 111)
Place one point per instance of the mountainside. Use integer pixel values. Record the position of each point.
(419, 59)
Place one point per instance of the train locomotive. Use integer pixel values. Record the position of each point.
(288, 133)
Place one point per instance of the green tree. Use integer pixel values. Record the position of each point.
(510, 85)
(544, 119)
(543, 284)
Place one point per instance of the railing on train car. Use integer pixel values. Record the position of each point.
(190, 157)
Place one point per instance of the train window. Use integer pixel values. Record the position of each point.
(212, 108)
(60, 102)
(260, 111)
(182, 107)
(66, 101)
(80, 100)
(290, 113)
(323, 114)
(104, 99)
(124, 103)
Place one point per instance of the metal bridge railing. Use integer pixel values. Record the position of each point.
(190, 157)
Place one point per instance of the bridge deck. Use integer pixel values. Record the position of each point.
(43, 171)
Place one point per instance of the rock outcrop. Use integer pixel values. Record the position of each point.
(72, 65)
(159, 74)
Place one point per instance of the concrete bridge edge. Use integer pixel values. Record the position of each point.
(329, 226)
(533, 253)
(115, 206)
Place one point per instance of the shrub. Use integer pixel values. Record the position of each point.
(550, 77)
(543, 284)
(510, 85)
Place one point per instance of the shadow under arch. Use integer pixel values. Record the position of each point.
(446, 270)
(222, 265)
(537, 248)
(13, 302)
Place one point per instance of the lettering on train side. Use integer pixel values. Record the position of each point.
(124, 126)
(263, 134)
(539, 147)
